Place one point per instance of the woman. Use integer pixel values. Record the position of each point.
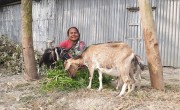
(74, 46)
(73, 43)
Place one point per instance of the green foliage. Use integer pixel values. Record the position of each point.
(10, 56)
(57, 79)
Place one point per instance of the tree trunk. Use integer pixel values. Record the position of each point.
(30, 70)
(152, 52)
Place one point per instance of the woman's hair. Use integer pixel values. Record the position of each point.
(75, 29)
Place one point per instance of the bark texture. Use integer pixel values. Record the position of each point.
(30, 70)
(152, 51)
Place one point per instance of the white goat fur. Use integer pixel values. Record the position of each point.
(110, 58)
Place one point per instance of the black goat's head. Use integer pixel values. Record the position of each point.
(51, 55)
(61, 53)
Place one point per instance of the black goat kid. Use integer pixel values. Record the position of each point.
(51, 55)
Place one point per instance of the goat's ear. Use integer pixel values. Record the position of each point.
(67, 65)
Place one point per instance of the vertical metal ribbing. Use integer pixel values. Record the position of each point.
(98, 21)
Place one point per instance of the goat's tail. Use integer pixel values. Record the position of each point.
(139, 61)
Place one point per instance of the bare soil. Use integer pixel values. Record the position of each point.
(18, 94)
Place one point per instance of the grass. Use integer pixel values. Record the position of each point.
(57, 79)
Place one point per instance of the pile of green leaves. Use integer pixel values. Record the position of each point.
(10, 56)
(57, 79)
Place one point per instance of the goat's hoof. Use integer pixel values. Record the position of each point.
(120, 95)
(99, 90)
(88, 87)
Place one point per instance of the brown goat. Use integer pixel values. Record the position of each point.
(112, 58)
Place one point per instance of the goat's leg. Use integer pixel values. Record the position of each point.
(126, 80)
(41, 62)
(119, 81)
(131, 83)
(123, 90)
(91, 73)
(100, 80)
(131, 86)
(124, 87)
(138, 79)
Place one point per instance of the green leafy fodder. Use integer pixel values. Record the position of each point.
(57, 79)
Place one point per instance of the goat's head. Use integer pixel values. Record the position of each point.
(61, 53)
(51, 55)
(71, 67)
(72, 61)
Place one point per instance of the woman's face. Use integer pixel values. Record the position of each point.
(73, 34)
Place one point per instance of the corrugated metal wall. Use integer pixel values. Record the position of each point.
(168, 30)
(44, 26)
(133, 27)
(99, 21)
(10, 22)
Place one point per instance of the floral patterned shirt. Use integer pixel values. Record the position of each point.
(75, 50)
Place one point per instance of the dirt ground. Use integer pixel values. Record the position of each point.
(18, 94)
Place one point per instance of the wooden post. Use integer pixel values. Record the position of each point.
(27, 41)
(152, 51)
